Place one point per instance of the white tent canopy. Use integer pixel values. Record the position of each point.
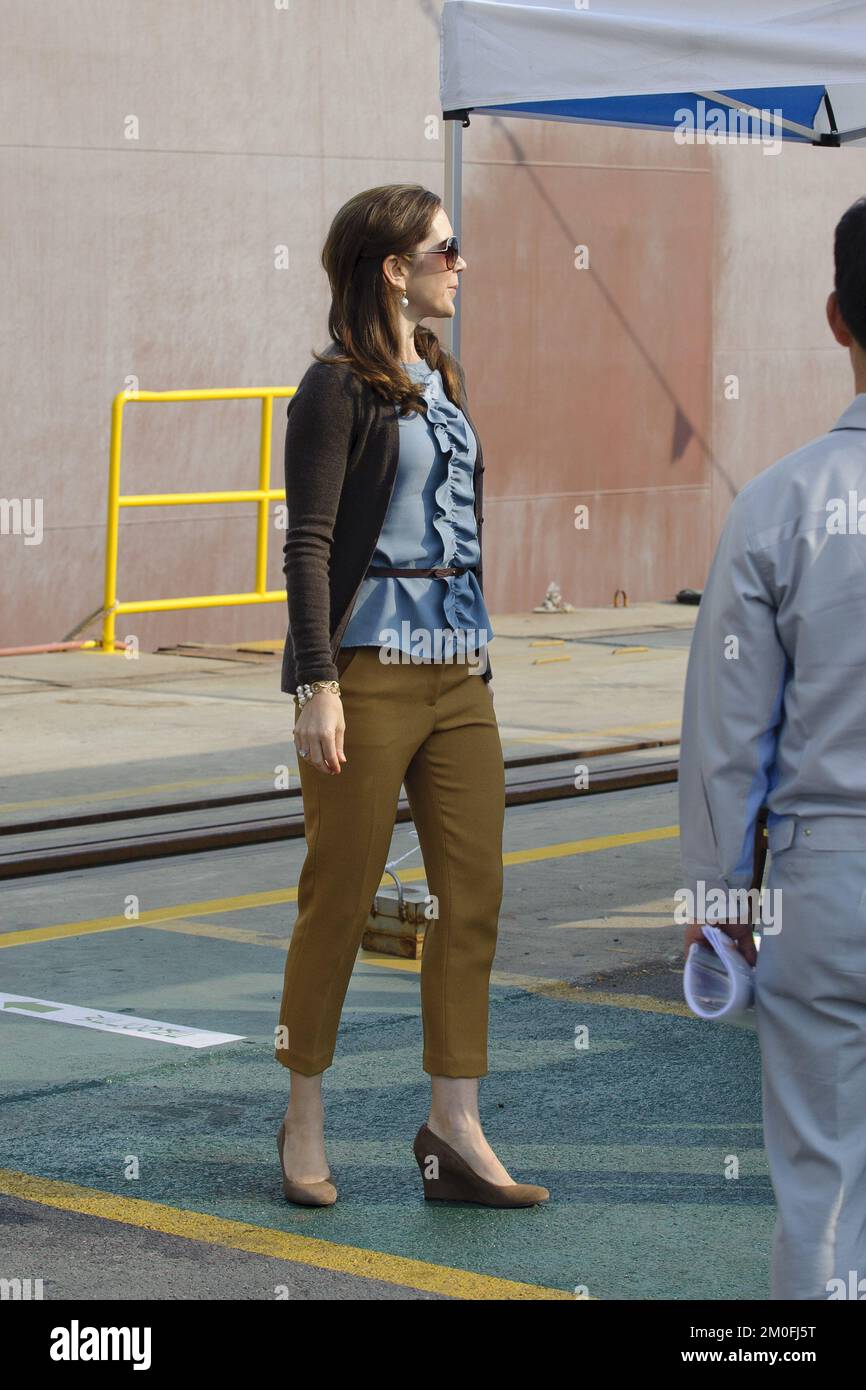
(629, 62)
(656, 65)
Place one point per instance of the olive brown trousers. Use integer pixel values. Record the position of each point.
(431, 727)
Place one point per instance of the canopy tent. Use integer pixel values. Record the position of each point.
(654, 65)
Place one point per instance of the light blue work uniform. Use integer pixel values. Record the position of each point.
(775, 714)
(430, 521)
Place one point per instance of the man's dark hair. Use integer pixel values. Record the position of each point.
(850, 254)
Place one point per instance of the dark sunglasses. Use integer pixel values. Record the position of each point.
(450, 251)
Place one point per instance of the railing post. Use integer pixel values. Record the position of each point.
(263, 506)
(112, 526)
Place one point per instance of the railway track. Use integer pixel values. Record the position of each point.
(64, 843)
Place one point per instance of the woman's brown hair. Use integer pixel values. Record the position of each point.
(390, 219)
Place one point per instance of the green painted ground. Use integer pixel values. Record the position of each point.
(630, 1135)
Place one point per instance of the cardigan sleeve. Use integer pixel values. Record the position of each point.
(318, 443)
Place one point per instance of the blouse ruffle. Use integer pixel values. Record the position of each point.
(430, 522)
(454, 495)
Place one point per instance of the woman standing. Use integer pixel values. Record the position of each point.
(387, 640)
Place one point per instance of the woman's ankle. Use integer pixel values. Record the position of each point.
(305, 1116)
(454, 1122)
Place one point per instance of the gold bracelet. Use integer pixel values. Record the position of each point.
(306, 692)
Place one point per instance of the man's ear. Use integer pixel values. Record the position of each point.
(838, 327)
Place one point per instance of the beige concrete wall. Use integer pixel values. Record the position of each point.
(153, 260)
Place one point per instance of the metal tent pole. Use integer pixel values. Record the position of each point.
(450, 330)
(795, 126)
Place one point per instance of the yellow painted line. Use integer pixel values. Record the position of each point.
(652, 914)
(576, 994)
(619, 651)
(217, 932)
(610, 924)
(248, 901)
(567, 848)
(261, 1240)
(248, 937)
(148, 918)
(389, 962)
(546, 660)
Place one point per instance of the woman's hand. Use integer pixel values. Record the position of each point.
(319, 731)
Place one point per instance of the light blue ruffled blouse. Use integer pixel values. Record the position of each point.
(430, 521)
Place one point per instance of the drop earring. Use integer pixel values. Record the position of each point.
(403, 300)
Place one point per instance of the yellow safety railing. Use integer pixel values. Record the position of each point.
(262, 495)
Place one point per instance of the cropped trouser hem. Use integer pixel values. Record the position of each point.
(463, 1067)
(305, 1065)
(433, 1066)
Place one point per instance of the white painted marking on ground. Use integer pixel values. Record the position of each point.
(106, 1022)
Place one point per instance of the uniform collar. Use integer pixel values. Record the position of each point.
(854, 418)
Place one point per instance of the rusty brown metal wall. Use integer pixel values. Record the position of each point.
(591, 380)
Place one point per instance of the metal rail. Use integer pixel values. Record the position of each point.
(213, 803)
(289, 824)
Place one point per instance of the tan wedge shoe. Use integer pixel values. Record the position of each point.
(305, 1194)
(456, 1181)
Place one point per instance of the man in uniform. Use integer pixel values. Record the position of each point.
(775, 714)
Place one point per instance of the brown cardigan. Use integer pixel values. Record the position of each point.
(342, 448)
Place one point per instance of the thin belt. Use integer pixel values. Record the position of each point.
(438, 572)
